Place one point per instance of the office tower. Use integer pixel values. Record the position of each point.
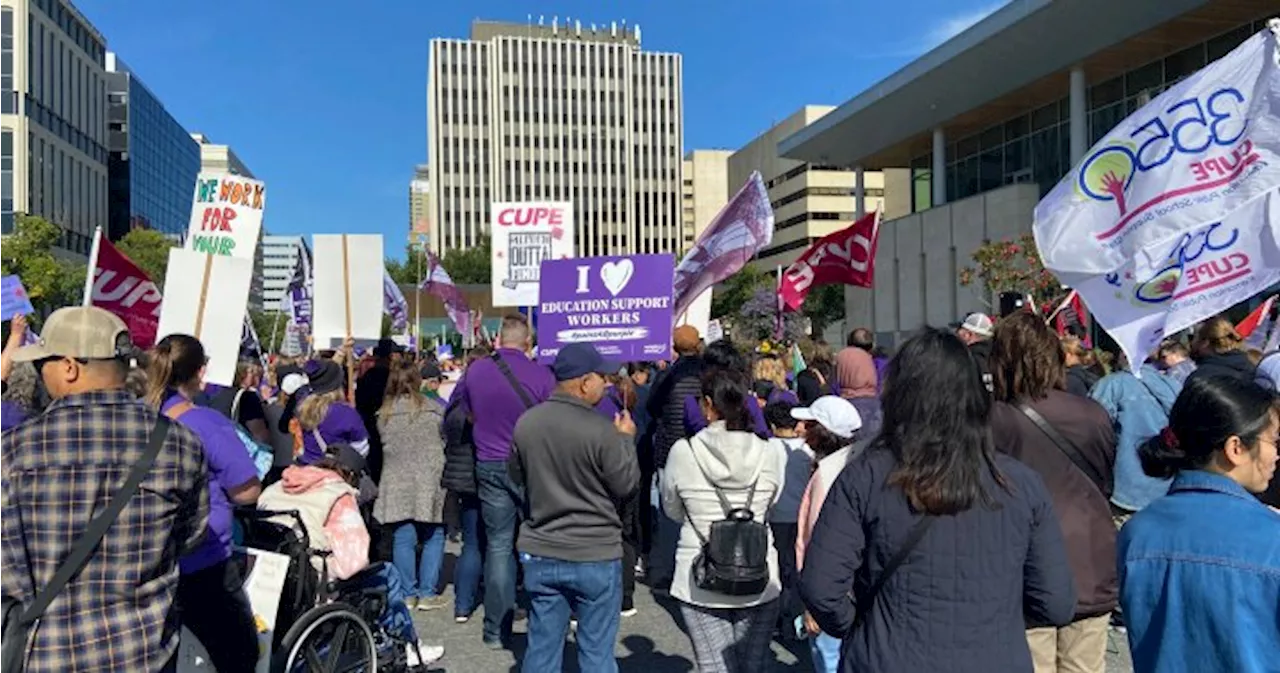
(705, 191)
(279, 259)
(557, 112)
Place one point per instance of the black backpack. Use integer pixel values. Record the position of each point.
(734, 560)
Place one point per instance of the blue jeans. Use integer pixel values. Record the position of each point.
(825, 650)
(466, 573)
(421, 577)
(558, 589)
(396, 618)
(499, 508)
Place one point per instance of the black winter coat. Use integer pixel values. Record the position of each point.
(1235, 364)
(961, 599)
(666, 404)
(459, 476)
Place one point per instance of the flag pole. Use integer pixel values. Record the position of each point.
(93, 266)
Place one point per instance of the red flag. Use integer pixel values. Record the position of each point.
(845, 257)
(1251, 321)
(122, 288)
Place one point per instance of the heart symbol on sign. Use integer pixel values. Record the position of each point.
(616, 275)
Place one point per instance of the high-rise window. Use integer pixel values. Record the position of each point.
(6, 181)
(8, 92)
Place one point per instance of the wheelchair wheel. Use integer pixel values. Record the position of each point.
(329, 639)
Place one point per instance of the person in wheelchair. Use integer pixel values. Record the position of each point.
(326, 496)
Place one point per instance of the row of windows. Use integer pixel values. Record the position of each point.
(785, 247)
(824, 191)
(799, 170)
(76, 31)
(65, 83)
(66, 191)
(163, 161)
(806, 217)
(67, 132)
(8, 93)
(6, 181)
(1035, 147)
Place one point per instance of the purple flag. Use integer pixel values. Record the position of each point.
(297, 297)
(622, 305)
(729, 242)
(393, 303)
(438, 284)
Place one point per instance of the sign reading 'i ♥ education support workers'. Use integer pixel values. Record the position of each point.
(622, 305)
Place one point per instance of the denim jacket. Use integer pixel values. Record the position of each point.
(1200, 579)
(1139, 410)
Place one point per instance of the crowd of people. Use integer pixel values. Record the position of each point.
(990, 497)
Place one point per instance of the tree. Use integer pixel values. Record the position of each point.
(470, 266)
(1012, 266)
(736, 290)
(269, 324)
(51, 282)
(823, 306)
(405, 272)
(757, 320)
(149, 249)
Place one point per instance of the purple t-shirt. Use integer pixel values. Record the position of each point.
(341, 425)
(230, 467)
(782, 395)
(494, 405)
(694, 421)
(610, 405)
(11, 414)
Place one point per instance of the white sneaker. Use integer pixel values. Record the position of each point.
(430, 654)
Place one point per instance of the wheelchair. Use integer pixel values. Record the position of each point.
(322, 626)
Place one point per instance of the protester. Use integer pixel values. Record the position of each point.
(1199, 567)
(1080, 362)
(769, 370)
(724, 467)
(1070, 442)
(975, 331)
(410, 497)
(666, 408)
(831, 424)
(817, 380)
(496, 391)
(855, 368)
(723, 357)
(213, 605)
(21, 395)
(573, 465)
(123, 598)
(1174, 359)
(324, 415)
(241, 403)
(972, 532)
(370, 389)
(459, 478)
(1139, 408)
(326, 494)
(1219, 351)
(431, 380)
(619, 396)
(795, 464)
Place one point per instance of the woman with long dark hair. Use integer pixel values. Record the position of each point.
(724, 466)
(972, 532)
(1200, 567)
(212, 604)
(1070, 442)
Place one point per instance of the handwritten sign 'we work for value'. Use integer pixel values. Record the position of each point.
(226, 215)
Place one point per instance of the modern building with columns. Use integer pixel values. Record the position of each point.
(989, 121)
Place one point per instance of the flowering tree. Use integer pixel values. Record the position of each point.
(1012, 266)
(757, 320)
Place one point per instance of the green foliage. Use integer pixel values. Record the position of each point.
(406, 271)
(268, 324)
(148, 249)
(51, 281)
(730, 296)
(823, 306)
(1011, 266)
(470, 266)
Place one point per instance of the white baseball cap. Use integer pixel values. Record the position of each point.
(979, 323)
(835, 414)
(292, 382)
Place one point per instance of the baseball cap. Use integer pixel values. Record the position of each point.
(83, 332)
(580, 359)
(978, 323)
(430, 371)
(833, 413)
(292, 382)
(685, 339)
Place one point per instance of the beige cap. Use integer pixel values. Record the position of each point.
(84, 332)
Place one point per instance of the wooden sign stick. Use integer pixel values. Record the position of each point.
(346, 296)
(204, 295)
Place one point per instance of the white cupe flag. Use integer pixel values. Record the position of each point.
(1167, 220)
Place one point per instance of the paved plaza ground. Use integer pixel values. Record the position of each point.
(650, 642)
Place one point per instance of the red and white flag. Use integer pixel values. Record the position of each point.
(846, 257)
(122, 288)
(1251, 322)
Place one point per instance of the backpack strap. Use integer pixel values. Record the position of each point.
(913, 539)
(511, 378)
(235, 405)
(1068, 449)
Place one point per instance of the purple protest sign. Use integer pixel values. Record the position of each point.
(621, 304)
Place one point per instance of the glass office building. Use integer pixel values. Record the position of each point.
(153, 160)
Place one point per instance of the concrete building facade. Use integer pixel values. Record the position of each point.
(153, 159)
(810, 200)
(53, 119)
(279, 260)
(420, 214)
(704, 191)
(557, 113)
(215, 158)
(980, 152)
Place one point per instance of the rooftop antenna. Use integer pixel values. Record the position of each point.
(613, 29)
(637, 32)
(577, 27)
(553, 25)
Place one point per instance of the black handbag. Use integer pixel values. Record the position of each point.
(19, 624)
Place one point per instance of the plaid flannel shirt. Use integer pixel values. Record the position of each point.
(58, 471)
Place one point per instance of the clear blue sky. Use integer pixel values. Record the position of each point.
(328, 105)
